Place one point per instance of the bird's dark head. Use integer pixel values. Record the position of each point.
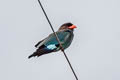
(67, 26)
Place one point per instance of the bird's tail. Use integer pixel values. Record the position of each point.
(32, 55)
(40, 51)
(35, 54)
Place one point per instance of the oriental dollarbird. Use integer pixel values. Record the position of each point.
(50, 43)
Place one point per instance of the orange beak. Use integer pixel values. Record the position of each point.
(72, 27)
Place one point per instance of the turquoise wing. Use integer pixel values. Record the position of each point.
(52, 39)
(64, 37)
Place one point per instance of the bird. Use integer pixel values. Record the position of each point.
(50, 43)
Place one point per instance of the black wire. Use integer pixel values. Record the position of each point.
(58, 40)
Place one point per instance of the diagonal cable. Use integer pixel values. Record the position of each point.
(58, 40)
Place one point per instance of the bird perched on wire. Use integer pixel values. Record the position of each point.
(50, 44)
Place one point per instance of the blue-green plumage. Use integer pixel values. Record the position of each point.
(65, 38)
(50, 44)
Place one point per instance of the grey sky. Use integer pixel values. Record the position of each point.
(94, 52)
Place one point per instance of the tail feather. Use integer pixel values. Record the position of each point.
(32, 55)
(40, 51)
(36, 54)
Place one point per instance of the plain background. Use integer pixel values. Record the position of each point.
(94, 52)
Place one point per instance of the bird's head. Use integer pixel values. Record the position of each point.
(67, 26)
